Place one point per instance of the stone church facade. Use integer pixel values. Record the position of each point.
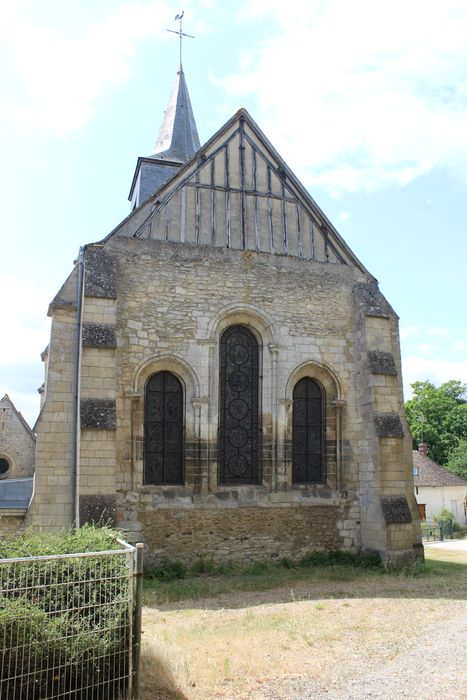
(224, 375)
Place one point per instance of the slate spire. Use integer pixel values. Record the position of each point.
(178, 136)
(177, 141)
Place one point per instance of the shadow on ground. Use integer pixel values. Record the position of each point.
(157, 681)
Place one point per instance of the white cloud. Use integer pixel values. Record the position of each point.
(378, 88)
(343, 218)
(438, 371)
(24, 315)
(25, 318)
(441, 359)
(64, 73)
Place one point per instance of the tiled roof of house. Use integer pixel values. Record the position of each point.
(432, 474)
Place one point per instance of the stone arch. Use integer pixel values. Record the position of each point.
(262, 326)
(326, 378)
(260, 323)
(191, 387)
(169, 363)
(321, 373)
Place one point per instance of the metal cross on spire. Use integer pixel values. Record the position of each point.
(180, 34)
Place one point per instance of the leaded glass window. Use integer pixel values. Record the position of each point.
(307, 436)
(239, 421)
(163, 430)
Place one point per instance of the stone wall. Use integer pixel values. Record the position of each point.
(17, 442)
(240, 534)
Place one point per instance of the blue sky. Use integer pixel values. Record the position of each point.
(366, 102)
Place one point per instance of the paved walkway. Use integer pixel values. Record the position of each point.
(452, 545)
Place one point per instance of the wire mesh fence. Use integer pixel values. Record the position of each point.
(67, 626)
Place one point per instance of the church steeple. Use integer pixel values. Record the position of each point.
(178, 136)
(177, 141)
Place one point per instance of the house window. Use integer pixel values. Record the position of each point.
(307, 433)
(238, 419)
(163, 430)
(4, 467)
(415, 471)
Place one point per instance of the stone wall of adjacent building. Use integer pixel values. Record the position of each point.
(17, 442)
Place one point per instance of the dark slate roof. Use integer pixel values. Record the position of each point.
(178, 136)
(16, 493)
(432, 474)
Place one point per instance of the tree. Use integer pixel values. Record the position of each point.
(438, 416)
(457, 461)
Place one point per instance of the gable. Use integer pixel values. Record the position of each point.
(237, 192)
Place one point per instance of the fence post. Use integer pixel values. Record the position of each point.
(137, 618)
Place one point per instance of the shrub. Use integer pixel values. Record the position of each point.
(208, 566)
(335, 557)
(167, 571)
(64, 622)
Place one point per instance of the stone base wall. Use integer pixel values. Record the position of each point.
(240, 534)
(10, 523)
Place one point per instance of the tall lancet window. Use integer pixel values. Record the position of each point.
(163, 430)
(307, 436)
(238, 419)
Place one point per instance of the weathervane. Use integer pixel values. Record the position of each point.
(180, 34)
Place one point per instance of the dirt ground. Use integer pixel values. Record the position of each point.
(383, 637)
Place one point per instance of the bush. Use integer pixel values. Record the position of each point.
(64, 622)
(444, 516)
(335, 557)
(167, 571)
(208, 566)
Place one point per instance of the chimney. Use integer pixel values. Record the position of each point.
(423, 448)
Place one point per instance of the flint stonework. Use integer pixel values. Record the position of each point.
(396, 510)
(382, 363)
(97, 510)
(99, 414)
(99, 335)
(371, 300)
(100, 278)
(388, 425)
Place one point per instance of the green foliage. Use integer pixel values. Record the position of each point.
(208, 566)
(457, 459)
(444, 516)
(67, 614)
(37, 543)
(167, 571)
(438, 415)
(286, 563)
(336, 557)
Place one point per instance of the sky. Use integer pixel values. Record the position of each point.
(365, 101)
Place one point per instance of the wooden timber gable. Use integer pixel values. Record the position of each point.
(236, 192)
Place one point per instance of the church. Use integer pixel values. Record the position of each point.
(223, 378)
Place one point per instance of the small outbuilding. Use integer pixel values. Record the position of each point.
(437, 488)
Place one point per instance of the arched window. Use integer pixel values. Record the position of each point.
(307, 435)
(238, 419)
(163, 430)
(4, 467)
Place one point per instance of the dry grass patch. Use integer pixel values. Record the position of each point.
(229, 645)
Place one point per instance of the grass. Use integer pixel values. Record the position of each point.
(172, 582)
(231, 635)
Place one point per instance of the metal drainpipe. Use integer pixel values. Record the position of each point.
(76, 427)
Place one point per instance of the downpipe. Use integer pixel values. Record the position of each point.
(76, 425)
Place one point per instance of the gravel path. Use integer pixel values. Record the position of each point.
(432, 668)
